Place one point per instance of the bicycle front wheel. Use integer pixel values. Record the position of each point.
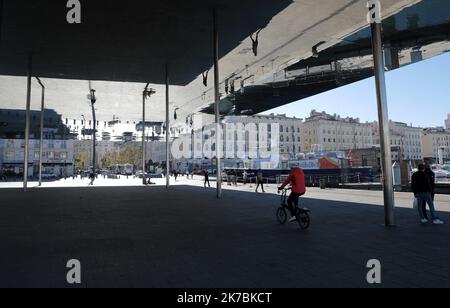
(281, 216)
(303, 219)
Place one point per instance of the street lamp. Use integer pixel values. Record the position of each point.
(147, 93)
(93, 100)
(41, 129)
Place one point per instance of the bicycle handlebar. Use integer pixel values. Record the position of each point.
(285, 189)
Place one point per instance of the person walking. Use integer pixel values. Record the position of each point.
(422, 189)
(206, 173)
(92, 178)
(259, 180)
(244, 177)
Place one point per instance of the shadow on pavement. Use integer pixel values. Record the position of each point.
(184, 237)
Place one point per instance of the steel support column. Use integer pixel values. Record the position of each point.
(217, 104)
(1, 20)
(383, 115)
(41, 138)
(27, 124)
(94, 131)
(167, 130)
(144, 95)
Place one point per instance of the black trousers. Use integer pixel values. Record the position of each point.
(424, 206)
(293, 202)
(262, 186)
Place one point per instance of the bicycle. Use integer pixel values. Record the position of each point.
(302, 214)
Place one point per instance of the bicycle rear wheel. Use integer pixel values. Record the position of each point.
(303, 219)
(281, 216)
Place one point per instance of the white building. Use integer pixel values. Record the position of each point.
(407, 138)
(115, 130)
(291, 130)
(436, 143)
(333, 133)
(447, 122)
(156, 152)
(57, 158)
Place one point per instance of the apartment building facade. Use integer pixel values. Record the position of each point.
(290, 131)
(436, 144)
(407, 138)
(57, 158)
(332, 133)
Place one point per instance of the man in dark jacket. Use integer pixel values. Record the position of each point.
(259, 180)
(432, 178)
(422, 188)
(206, 174)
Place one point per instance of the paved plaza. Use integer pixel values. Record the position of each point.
(134, 236)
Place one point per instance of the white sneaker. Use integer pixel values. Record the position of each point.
(293, 219)
(424, 221)
(438, 222)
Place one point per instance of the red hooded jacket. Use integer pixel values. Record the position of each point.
(297, 178)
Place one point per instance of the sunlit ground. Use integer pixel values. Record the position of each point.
(403, 199)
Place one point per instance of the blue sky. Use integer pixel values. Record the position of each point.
(417, 94)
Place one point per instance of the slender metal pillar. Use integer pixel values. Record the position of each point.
(217, 105)
(144, 94)
(1, 20)
(383, 115)
(167, 129)
(94, 137)
(27, 125)
(41, 139)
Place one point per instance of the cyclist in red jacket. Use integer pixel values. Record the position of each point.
(297, 180)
